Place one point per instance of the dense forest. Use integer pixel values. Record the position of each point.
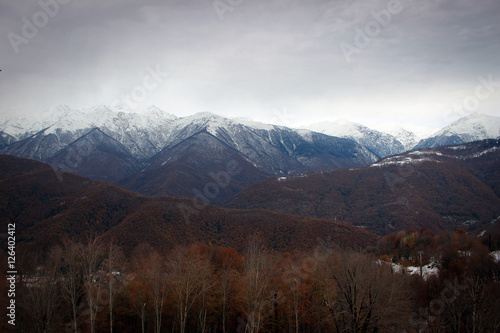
(93, 286)
(44, 205)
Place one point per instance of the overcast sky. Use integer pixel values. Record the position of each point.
(277, 61)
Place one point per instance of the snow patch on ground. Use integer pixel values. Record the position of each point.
(402, 161)
(487, 151)
(422, 152)
(461, 147)
(428, 270)
(496, 256)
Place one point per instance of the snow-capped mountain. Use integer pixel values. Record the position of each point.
(275, 149)
(380, 143)
(474, 127)
(203, 145)
(98, 156)
(6, 139)
(143, 133)
(408, 138)
(150, 151)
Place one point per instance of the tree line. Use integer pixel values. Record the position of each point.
(93, 286)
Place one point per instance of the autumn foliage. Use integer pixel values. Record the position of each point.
(204, 288)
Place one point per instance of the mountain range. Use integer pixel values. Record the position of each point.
(156, 153)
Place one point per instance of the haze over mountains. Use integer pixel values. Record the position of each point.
(156, 153)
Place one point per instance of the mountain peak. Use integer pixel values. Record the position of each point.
(478, 121)
(474, 127)
(382, 144)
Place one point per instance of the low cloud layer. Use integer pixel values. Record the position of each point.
(290, 62)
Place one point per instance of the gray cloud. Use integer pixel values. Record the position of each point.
(263, 56)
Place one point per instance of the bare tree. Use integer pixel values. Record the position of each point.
(41, 295)
(205, 284)
(72, 281)
(137, 286)
(113, 264)
(156, 274)
(227, 282)
(189, 277)
(257, 291)
(362, 295)
(92, 256)
(293, 280)
(478, 304)
(138, 296)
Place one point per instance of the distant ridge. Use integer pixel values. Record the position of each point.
(46, 206)
(474, 127)
(440, 189)
(140, 150)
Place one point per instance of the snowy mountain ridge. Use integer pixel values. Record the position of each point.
(383, 144)
(483, 126)
(156, 138)
(156, 153)
(460, 152)
(67, 119)
(146, 132)
(408, 138)
(473, 127)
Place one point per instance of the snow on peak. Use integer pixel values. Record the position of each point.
(208, 120)
(64, 118)
(408, 138)
(212, 122)
(476, 126)
(153, 111)
(380, 143)
(339, 128)
(254, 124)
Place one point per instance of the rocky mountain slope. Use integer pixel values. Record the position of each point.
(159, 154)
(471, 128)
(382, 144)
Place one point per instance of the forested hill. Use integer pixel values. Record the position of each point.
(47, 206)
(441, 189)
